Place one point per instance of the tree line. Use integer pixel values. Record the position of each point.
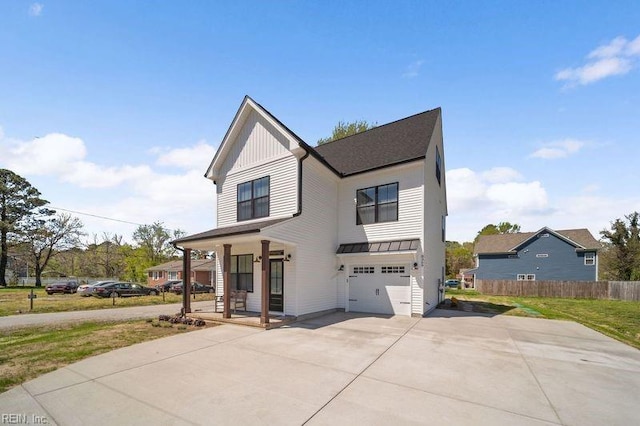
(35, 238)
(618, 257)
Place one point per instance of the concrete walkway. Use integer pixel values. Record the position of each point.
(113, 314)
(451, 368)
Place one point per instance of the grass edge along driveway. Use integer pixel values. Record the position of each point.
(618, 319)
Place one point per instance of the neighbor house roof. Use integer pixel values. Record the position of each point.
(243, 228)
(505, 243)
(176, 265)
(394, 143)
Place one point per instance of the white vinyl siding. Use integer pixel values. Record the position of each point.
(315, 238)
(283, 189)
(410, 205)
(431, 276)
(257, 141)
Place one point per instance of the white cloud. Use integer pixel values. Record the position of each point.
(476, 199)
(198, 156)
(413, 69)
(36, 9)
(558, 149)
(617, 57)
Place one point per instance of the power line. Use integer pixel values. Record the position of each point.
(104, 217)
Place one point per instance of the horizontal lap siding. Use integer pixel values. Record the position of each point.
(410, 200)
(283, 189)
(314, 233)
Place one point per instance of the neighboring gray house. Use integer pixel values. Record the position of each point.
(546, 255)
(355, 224)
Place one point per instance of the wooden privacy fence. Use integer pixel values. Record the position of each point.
(619, 290)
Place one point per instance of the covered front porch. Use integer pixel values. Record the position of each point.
(246, 263)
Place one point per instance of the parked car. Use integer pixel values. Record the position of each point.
(122, 289)
(196, 287)
(62, 287)
(86, 289)
(166, 286)
(452, 283)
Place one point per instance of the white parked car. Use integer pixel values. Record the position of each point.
(85, 289)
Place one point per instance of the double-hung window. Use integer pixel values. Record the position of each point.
(438, 165)
(377, 204)
(253, 199)
(242, 272)
(589, 258)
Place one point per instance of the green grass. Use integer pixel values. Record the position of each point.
(615, 318)
(13, 300)
(26, 353)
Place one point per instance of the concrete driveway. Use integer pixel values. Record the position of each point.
(449, 368)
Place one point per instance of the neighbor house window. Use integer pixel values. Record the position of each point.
(253, 199)
(438, 165)
(173, 275)
(589, 258)
(156, 275)
(242, 272)
(377, 204)
(526, 277)
(363, 269)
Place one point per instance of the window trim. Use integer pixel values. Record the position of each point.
(234, 275)
(376, 204)
(253, 199)
(592, 258)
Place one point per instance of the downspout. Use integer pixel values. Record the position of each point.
(299, 212)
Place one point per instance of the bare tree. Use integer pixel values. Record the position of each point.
(45, 235)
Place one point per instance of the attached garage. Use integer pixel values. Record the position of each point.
(380, 289)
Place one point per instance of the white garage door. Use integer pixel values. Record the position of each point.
(380, 289)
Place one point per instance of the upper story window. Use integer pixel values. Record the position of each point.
(377, 204)
(253, 199)
(438, 165)
(589, 258)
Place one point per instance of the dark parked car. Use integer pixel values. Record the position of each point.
(62, 287)
(166, 286)
(196, 287)
(452, 283)
(122, 289)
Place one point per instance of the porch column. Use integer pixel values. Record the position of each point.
(226, 281)
(186, 281)
(264, 313)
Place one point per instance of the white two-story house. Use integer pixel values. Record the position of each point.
(355, 224)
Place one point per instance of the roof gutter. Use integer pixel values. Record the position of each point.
(299, 212)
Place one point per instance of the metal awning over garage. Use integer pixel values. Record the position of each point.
(379, 247)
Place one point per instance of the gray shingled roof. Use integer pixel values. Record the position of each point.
(394, 143)
(503, 243)
(243, 228)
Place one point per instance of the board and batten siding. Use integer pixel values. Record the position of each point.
(256, 142)
(435, 208)
(283, 189)
(410, 180)
(314, 234)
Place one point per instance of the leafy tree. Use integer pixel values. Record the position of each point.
(18, 200)
(500, 228)
(45, 235)
(154, 240)
(622, 252)
(458, 256)
(344, 129)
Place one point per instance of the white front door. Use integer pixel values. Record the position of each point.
(380, 289)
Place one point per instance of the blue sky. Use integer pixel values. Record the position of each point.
(115, 108)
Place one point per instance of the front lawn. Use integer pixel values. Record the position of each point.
(14, 300)
(26, 353)
(615, 318)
